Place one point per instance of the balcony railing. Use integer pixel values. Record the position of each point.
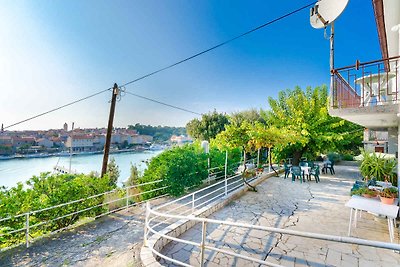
(366, 84)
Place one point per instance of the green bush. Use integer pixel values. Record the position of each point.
(181, 168)
(334, 157)
(347, 157)
(178, 167)
(46, 191)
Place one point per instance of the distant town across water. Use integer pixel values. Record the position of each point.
(27, 153)
(62, 142)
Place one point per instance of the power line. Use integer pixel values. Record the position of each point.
(162, 103)
(221, 44)
(54, 109)
(165, 68)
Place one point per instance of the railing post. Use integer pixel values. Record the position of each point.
(203, 240)
(127, 197)
(226, 173)
(27, 229)
(192, 202)
(146, 222)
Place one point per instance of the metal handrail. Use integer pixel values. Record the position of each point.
(154, 212)
(27, 215)
(205, 221)
(357, 65)
(366, 84)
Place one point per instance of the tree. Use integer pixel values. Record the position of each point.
(237, 136)
(208, 127)
(113, 171)
(306, 113)
(134, 177)
(269, 136)
(251, 115)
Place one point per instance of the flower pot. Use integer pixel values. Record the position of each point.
(368, 195)
(386, 200)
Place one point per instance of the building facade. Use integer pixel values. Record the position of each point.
(367, 93)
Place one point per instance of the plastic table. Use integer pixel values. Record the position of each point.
(374, 206)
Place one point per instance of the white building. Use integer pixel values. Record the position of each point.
(368, 93)
(44, 142)
(80, 143)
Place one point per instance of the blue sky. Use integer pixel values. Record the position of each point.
(54, 52)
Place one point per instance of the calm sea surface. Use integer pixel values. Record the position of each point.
(20, 170)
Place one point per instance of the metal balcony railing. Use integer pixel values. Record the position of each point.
(366, 84)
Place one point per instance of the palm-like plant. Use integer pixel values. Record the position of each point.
(378, 166)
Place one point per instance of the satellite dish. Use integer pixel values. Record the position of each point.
(325, 12)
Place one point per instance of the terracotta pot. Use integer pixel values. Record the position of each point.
(386, 200)
(368, 195)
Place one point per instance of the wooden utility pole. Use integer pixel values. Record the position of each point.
(109, 129)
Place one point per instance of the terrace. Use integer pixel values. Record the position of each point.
(271, 227)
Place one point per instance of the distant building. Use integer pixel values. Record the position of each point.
(65, 127)
(23, 141)
(81, 143)
(181, 139)
(44, 142)
(141, 139)
(6, 146)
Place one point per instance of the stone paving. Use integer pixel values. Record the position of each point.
(311, 207)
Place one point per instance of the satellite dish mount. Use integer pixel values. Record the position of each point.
(323, 14)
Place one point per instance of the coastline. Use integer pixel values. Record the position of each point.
(67, 154)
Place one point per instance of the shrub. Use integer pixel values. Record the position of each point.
(334, 157)
(347, 157)
(46, 191)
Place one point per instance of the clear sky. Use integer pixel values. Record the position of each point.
(54, 52)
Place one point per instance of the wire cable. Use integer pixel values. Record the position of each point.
(54, 109)
(165, 68)
(162, 103)
(220, 44)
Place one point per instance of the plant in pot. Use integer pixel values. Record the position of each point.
(377, 166)
(365, 192)
(388, 195)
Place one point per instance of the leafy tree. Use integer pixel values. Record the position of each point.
(264, 136)
(133, 177)
(306, 113)
(208, 127)
(251, 115)
(113, 171)
(234, 137)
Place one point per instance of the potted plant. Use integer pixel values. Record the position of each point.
(377, 166)
(365, 192)
(388, 195)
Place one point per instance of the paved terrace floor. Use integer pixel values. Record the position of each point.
(310, 207)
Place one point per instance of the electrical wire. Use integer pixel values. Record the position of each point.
(165, 68)
(54, 109)
(220, 44)
(162, 103)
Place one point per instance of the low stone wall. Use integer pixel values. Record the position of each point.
(176, 229)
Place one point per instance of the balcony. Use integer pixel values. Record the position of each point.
(367, 93)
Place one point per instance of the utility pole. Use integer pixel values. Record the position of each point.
(109, 129)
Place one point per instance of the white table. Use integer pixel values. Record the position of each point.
(375, 88)
(375, 206)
